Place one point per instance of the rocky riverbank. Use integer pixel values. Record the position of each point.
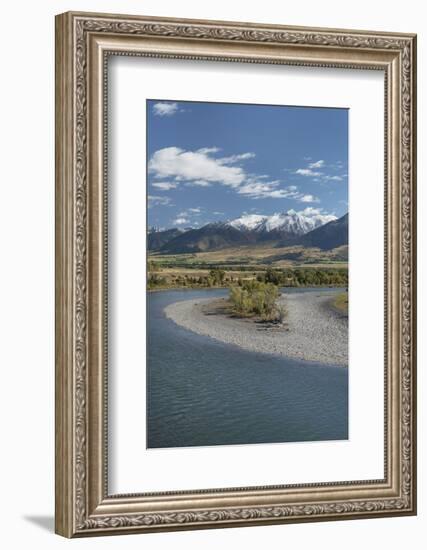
(313, 330)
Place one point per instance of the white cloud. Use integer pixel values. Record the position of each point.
(164, 185)
(317, 164)
(261, 189)
(255, 188)
(270, 190)
(283, 194)
(318, 213)
(188, 216)
(181, 221)
(313, 172)
(232, 159)
(307, 172)
(310, 211)
(198, 168)
(194, 167)
(308, 198)
(332, 178)
(198, 183)
(165, 109)
(156, 200)
(207, 150)
(236, 158)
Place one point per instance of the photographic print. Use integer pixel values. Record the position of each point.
(225, 335)
(247, 273)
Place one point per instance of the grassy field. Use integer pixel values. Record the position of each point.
(341, 302)
(261, 256)
(296, 266)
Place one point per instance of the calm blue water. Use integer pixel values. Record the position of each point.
(203, 392)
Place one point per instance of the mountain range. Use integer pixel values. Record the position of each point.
(286, 229)
(156, 239)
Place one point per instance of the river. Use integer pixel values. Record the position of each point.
(204, 392)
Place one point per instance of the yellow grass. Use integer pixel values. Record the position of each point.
(341, 302)
(261, 256)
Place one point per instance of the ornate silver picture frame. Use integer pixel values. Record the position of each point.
(84, 42)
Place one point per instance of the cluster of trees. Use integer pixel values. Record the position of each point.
(305, 277)
(153, 266)
(253, 297)
(156, 281)
(216, 278)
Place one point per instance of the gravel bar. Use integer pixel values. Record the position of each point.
(313, 330)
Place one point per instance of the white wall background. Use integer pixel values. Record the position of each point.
(27, 274)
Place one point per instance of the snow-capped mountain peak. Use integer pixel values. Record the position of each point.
(295, 223)
(247, 221)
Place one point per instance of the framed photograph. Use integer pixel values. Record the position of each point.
(235, 274)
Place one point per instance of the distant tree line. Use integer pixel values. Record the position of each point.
(215, 278)
(305, 277)
(218, 277)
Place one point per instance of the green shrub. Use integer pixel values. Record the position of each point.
(154, 281)
(255, 298)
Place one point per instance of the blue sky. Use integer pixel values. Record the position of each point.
(218, 161)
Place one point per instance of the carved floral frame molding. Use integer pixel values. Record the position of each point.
(83, 44)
